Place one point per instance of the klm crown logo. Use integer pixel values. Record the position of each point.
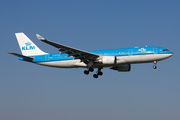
(28, 46)
(142, 50)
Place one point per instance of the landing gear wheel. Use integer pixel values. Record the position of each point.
(100, 73)
(86, 72)
(95, 76)
(155, 62)
(154, 67)
(91, 69)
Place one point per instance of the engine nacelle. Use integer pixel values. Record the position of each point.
(122, 68)
(108, 60)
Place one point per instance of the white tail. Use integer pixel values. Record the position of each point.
(27, 47)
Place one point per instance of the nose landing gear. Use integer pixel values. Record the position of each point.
(155, 62)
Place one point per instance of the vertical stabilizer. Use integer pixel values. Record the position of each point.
(27, 47)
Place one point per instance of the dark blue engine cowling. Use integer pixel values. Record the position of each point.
(122, 68)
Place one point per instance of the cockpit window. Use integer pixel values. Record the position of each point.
(165, 50)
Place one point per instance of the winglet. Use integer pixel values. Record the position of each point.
(39, 37)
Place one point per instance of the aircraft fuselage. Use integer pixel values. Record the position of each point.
(123, 56)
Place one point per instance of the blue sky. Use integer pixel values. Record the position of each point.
(29, 91)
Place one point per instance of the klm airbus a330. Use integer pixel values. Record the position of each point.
(68, 57)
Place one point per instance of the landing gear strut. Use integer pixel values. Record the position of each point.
(87, 71)
(155, 62)
(98, 73)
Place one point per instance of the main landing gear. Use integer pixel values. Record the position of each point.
(91, 70)
(155, 62)
(87, 71)
(98, 73)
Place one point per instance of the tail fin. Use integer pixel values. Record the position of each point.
(27, 47)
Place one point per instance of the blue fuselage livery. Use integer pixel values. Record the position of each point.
(116, 59)
(135, 52)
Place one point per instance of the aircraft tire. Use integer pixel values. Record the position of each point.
(154, 67)
(95, 76)
(100, 73)
(91, 69)
(86, 72)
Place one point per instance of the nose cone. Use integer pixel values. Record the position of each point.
(166, 53)
(169, 54)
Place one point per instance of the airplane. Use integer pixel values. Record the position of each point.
(69, 57)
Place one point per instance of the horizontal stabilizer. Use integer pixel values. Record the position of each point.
(25, 57)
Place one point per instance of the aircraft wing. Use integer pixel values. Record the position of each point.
(78, 54)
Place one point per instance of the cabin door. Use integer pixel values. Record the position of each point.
(130, 52)
(155, 50)
(47, 58)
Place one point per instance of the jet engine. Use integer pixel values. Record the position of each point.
(122, 68)
(108, 60)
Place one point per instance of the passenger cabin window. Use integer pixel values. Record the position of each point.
(165, 50)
